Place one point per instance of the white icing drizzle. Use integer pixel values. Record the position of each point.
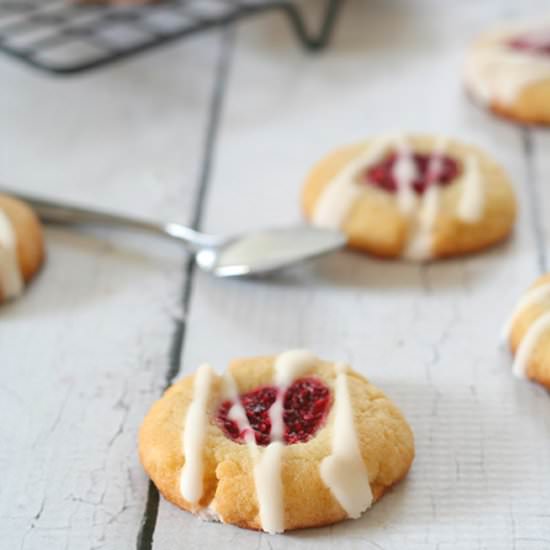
(494, 71)
(276, 418)
(344, 471)
(267, 465)
(339, 195)
(539, 294)
(288, 366)
(528, 344)
(11, 278)
(191, 478)
(292, 364)
(419, 245)
(237, 413)
(269, 488)
(420, 242)
(267, 474)
(405, 172)
(268, 462)
(472, 200)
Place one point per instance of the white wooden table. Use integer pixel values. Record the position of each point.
(219, 131)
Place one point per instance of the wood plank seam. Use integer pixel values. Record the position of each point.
(534, 199)
(146, 532)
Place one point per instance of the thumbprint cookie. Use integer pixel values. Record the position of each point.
(275, 443)
(508, 70)
(21, 247)
(414, 197)
(528, 333)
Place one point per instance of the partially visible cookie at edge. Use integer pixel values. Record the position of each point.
(528, 333)
(507, 69)
(21, 246)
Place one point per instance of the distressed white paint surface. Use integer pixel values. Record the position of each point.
(85, 353)
(427, 335)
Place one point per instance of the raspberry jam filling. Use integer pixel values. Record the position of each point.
(305, 406)
(535, 43)
(428, 172)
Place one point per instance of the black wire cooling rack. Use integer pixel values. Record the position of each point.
(63, 37)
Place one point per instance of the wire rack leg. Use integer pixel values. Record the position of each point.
(313, 41)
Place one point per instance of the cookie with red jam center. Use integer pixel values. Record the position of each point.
(416, 197)
(275, 443)
(507, 70)
(383, 173)
(305, 407)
